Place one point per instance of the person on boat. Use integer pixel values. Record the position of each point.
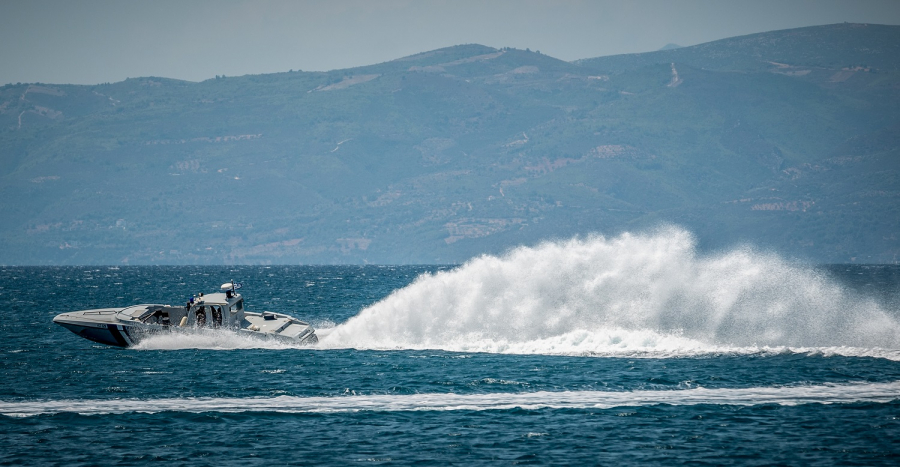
(217, 316)
(201, 317)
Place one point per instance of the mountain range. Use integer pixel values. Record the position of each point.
(786, 140)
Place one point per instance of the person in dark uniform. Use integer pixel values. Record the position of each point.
(217, 316)
(201, 316)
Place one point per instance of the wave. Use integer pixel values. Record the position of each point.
(632, 294)
(785, 396)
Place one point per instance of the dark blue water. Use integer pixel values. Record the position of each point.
(494, 377)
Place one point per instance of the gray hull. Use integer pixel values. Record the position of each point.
(109, 334)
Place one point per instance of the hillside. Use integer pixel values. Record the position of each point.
(787, 140)
(831, 47)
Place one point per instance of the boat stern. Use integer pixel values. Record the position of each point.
(279, 326)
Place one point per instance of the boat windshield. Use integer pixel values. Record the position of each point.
(133, 312)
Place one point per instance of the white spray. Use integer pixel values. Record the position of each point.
(633, 293)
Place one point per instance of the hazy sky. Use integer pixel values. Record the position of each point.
(94, 41)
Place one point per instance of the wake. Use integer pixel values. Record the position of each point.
(649, 294)
(783, 395)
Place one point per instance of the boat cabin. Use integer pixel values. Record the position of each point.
(215, 310)
(221, 309)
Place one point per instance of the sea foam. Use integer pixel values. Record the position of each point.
(781, 395)
(648, 294)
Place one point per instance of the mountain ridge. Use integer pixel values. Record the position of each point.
(452, 153)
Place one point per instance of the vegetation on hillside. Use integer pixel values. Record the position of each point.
(787, 140)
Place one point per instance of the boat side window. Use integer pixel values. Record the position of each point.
(239, 305)
(154, 316)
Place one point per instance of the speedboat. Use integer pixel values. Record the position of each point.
(126, 326)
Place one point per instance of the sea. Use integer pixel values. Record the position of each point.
(638, 349)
